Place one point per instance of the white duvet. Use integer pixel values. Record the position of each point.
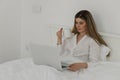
(24, 69)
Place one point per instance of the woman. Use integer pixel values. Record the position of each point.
(84, 44)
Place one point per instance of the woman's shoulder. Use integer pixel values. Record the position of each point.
(88, 38)
(92, 41)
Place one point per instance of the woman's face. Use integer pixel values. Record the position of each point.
(80, 25)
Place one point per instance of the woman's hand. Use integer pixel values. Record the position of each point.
(59, 33)
(77, 66)
(59, 36)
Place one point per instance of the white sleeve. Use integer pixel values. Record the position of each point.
(94, 53)
(62, 47)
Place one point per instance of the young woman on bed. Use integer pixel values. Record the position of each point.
(84, 44)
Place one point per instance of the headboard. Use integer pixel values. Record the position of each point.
(112, 40)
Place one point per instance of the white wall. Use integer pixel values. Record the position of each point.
(61, 12)
(106, 14)
(35, 25)
(10, 14)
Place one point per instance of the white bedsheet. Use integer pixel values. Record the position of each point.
(24, 69)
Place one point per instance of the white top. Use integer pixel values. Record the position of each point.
(86, 50)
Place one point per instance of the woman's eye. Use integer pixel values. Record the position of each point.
(76, 23)
(79, 22)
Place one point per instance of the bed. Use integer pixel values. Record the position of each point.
(25, 69)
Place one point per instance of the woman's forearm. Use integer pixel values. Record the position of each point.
(78, 66)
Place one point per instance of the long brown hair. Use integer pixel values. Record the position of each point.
(91, 26)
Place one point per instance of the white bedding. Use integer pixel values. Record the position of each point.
(24, 69)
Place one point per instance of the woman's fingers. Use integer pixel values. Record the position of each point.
(59, 33)
(72, 69)
(61, 29)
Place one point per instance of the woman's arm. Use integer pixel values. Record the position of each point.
(59, 36)
(60, 41)
(77, 66)
(94, 52)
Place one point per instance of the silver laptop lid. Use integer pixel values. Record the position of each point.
(46, 55)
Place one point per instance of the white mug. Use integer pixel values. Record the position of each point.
(66, 33)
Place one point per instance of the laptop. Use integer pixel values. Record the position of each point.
(47, 55)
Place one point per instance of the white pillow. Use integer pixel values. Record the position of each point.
(104, 52)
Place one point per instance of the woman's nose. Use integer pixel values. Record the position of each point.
(78, 25)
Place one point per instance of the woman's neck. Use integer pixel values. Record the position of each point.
(82, 34)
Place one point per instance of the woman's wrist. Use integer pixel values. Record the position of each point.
(59, 41)
(83, 65)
